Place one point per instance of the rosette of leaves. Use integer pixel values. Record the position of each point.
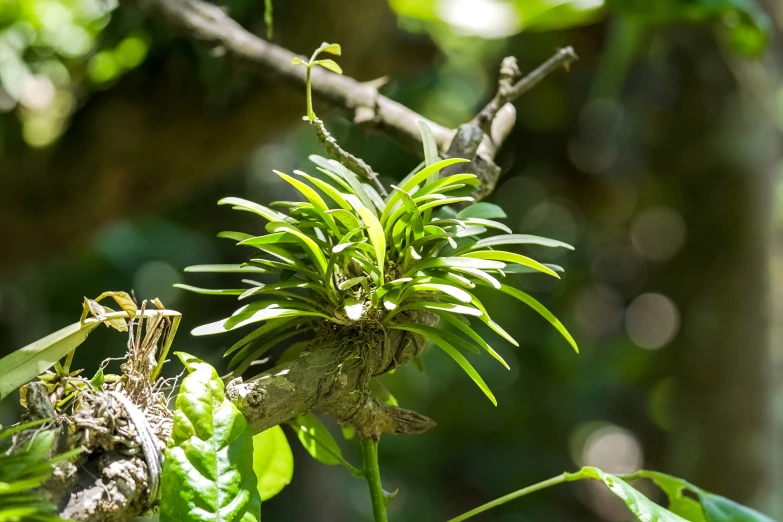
(25, 465)
(347, 261)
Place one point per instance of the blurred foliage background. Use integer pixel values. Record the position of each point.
(658, 157)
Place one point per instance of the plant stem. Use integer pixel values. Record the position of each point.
(373, 476)
(310, 113)
(512, 496)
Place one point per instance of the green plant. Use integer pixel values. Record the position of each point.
(350, 266)
(26, 462)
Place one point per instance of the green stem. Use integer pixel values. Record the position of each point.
(512, 496)
(373, 476)
(310, 113)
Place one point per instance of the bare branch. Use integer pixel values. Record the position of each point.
(210, 24)
(508, 91)
(354, 164)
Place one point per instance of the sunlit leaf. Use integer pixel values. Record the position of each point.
(317, 439)
(510, 257)
(538, 307)
(208, 470)
(273, 462)
(432, 335)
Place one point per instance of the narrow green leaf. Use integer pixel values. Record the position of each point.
(456, 262)
(316, 439)
(446, 184)
(207, 471)
(312, 196)
(407, 186)
(273, 462)
(541, 309)
(453, 291)
(520, 239)
(467, 330)
(482, 210)
(327, 189)
(226, 269)
(510, 257)
(249, 206)
(440, 342)
(266, 329)
(210, 291)
(297, 61)
(268, 239)
(234, 322)
(313, 250)
(377, 237)
(431, 155)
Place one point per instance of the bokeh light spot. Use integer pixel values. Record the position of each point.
(652, 321)
(157, 279)
(658, 233)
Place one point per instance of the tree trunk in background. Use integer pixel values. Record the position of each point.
(718, 151)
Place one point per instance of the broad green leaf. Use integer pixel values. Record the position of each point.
(25, 364)
(350, 283)
(643, 508)
(273, 462)
(317, 439)
(510, 257)
(377, 237)
(249, 206)
(239, 269)
(432, 335)
(695, 504)
(330, 65)
(520, 239)
(541, 309)
(208, 470)
(210, 291)
(331, 48)
(483, 210)
(467, 330)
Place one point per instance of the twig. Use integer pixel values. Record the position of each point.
(354, 164)
(508, 91)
